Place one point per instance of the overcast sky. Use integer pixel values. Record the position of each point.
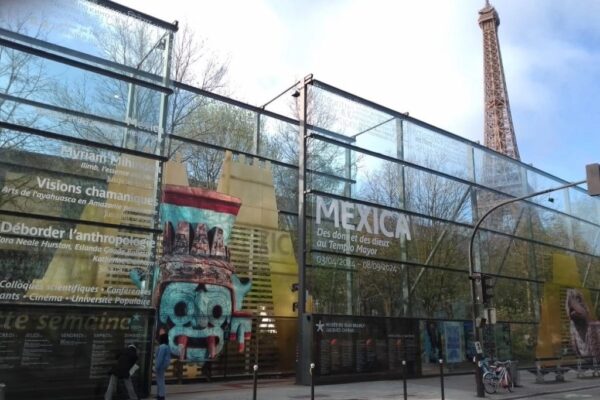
(421, 56)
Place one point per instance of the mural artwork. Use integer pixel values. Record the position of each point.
(199, 296)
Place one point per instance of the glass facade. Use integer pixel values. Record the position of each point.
(133, 205)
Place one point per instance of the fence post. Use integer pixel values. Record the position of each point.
(442, 377)
(255, 381)
(404, 378)
(312, 381)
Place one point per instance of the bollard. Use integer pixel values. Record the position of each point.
(312, 381)
(255, 381)
(404, 378)
(2, 390)
(442, 377)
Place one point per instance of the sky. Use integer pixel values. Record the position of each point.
(420, 56)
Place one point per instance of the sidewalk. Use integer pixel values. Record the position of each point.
(457, 387)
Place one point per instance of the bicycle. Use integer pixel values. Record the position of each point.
(497, 375)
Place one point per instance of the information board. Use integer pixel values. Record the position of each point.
(345, 345)
(69, 350)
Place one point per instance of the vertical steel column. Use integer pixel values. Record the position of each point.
(348, 194)
(256, 138)
(402, 204)
(304, 320)
(160, 150)
(164, 98)
(473, 269)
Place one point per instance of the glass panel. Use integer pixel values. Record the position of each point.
(516, 300)
(91, 28)
(82, 127)
(340, 171)
(217, 123)
(64, 86)
(438, 197)
(438, 243)
(499, 173)
(278, 140)
(505, 255)
(432, 150)
(286, 187)
(524, 339)
(58, 262)
(60, 179)
(437, 293)
(341, 115)
(376, 286)
(330, 290)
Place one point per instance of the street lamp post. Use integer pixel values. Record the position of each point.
(476, 278)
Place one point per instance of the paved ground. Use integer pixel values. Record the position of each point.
(458, 387)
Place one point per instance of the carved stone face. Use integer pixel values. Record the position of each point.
(575, 306)
(196, 316)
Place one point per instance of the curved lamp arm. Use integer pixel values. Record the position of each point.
(503, 203)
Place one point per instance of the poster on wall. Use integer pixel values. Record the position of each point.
(454, 342)
(69, 350)
(431, 341)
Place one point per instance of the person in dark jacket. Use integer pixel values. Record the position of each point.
(121, 371)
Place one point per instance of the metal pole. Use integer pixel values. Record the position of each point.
(2, 390)
(442, 377)
(404, 378)
(312, 381)
(473, 278)
(304, 342)
(255, 381)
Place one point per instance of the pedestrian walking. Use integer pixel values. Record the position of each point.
(122, 371)
(161, 363)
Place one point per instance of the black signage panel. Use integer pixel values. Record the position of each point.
(349, 345)
(68, 351)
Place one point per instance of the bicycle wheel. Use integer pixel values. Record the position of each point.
(510, 385)
(490, 382)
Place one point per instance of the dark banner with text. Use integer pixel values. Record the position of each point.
(346, 345)
(68, 351)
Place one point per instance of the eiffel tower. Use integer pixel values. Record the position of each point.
(498, 172)
(499, 133)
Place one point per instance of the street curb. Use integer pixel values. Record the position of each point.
(527, 396)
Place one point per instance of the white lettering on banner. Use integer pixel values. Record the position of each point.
(371, 221)
(21, 229)
(84, 155)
